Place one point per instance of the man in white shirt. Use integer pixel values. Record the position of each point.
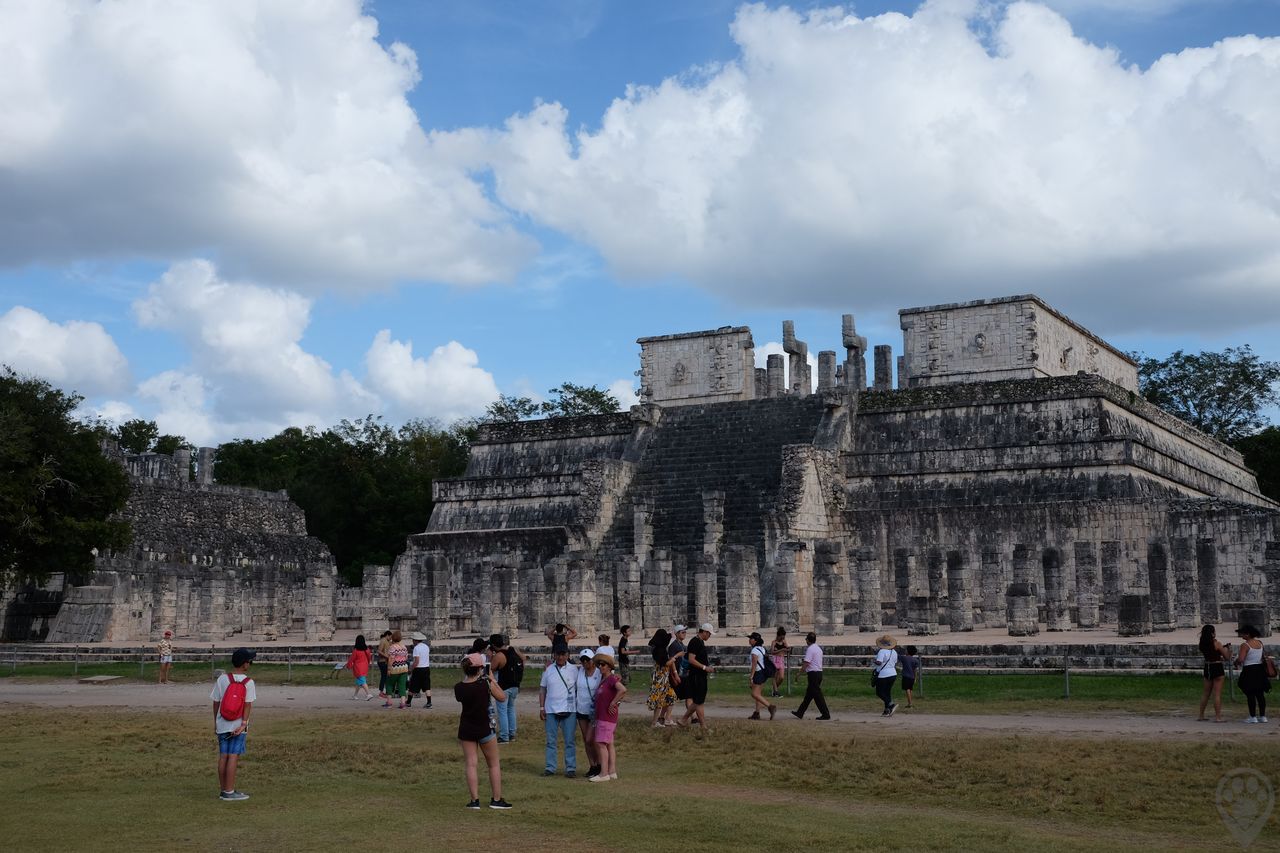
(420, 674)
(813, 671)
(557, 706)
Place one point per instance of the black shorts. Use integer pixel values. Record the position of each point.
(582, 716)
(682, 689)
(696, 686)
(420, 679)
(908, 683)
(1214, 670)
(759, 677)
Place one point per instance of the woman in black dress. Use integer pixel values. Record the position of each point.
(475, 728)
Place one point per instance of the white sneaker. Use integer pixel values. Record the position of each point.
(1262, 719)
(599, 779)
(1251, 719)
(613, 775)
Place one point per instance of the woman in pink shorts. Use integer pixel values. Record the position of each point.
(608, 696)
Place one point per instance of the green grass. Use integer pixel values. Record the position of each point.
(89, 779)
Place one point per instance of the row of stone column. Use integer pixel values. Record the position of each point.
(793, 365)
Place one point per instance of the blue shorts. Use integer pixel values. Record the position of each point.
(231, 744)
(362, 680)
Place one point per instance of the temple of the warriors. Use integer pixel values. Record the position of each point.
(1003, 471)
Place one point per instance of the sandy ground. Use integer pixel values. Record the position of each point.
(21, 693)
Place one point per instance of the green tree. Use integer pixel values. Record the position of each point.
(137, 435)
(170, 444)
(570, 400)
(506, 409)
(1262, 455)
(1220, 393)
(57, 491)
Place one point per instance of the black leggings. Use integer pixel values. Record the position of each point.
(884, 689)
(1257, 703)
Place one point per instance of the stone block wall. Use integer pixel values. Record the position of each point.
(693, 368)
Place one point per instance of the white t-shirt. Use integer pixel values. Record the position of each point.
(559, 682)
(421, 655)
(886, 663)
(220, 725)
(607, 650)
(755, 660)
(585, 687)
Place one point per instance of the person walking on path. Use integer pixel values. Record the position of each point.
(508, 666)
(679, 664)
(608, 698)
(397, 671)
(661, 695)
(475, 730)
(779, 651)
(420, 676)
(885, 671)
(358, 662)
(910, 666)
(696, 681)
(587, 682)
(556, 707)
(758, 674)
(1253, 679)
(813, 672)
(384, 642)
(624, 657)
(164, 649)
(231, 709)
(1215, 656)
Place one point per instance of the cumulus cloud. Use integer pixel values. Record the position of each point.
(624, 390)
(74, 356)
(964, 151)
(449, 384)
(278, 133)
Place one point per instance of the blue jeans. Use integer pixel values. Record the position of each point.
(507, 715)
(565, 729)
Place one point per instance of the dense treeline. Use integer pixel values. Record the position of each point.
(363, 485)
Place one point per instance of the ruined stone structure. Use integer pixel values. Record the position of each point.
(207, 562)
(1011, 477)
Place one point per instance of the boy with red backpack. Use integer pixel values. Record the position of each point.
(233, 697)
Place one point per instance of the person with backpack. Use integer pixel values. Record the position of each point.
(885, 672)
(760, 670)
(233, 697)
(508, 663)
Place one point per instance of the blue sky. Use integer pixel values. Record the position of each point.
(236, 217)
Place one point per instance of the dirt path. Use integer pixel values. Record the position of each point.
(194, 698)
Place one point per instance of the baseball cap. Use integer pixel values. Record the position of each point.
(677, 629)
(586, 653)
(242, 656)
(706, 626)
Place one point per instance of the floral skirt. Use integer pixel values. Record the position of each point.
(661, 694)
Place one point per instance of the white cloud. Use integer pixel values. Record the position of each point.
(278, 133)
(449, 384)
(965, 151)
(625, 392)
(74, 356)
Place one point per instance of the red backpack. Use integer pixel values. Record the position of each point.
(232, 705)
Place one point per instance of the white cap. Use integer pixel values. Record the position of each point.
(706, 626)
(586, 653)
(677, 629)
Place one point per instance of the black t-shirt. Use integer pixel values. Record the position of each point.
(473, 724)
(698, 651)
(512, 674)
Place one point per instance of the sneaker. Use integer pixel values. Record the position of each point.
(504, 740)
(569, 774)
(593, 771)
(598, 778)
(548, 772)
(825, 717)
(229, 796)
(798, 715)
(1251, 719)
(773, 709)
(613, 775)
(474, 804)
(428, 707)
(1262, 719)
(499, 804)
(892, 708)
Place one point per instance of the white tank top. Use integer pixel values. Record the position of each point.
(1253, 656)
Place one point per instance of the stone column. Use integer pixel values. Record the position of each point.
(904, 566)
(959, 595)
(1057, 616)
(630, 610)
(580, 593)
(884, 368)
(182, 464)
(1023, 610)
(204, 466)
(798, 360)
(855, 362)
(432, 594)
(761, 377)
(1110, 583)
(993, 589)
(785, 570)
(902, 373)
(828, 587)
(1207, 577)
(532, 594)
(1271, 574)
(775, 373)
(375, 585)
(642, 529)
(1186, 597)
(655, 581)
(1087, 612)
(742, 590)
(826, 370)
(705, 605)
(870, 613)
(1135, 616)
(1160, 580)
(319, 604)
(925, 589)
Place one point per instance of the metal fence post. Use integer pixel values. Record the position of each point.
(142, 661)
(289, 655)
(211, 660)
(1066, 673)
(75, 665)
(920, 678)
